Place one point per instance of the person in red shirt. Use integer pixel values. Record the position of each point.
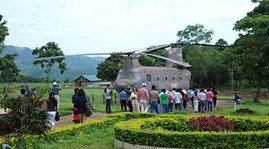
(209, 99)
(143, 96)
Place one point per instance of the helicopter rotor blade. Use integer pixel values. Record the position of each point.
(200, 44)
(184, 64)
(154, 48)
(63, 56)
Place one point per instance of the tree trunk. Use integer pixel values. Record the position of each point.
(232, 80)
(201, 80)
(256, 99)
(192, 80)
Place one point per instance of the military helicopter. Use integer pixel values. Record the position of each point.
(174, 75)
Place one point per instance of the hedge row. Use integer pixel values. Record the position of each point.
(171, 131)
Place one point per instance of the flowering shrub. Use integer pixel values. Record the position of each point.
(210, 123)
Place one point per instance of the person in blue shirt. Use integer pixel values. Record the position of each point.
(123, 99)
(236, 101)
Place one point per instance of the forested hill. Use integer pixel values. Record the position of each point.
(76, 66)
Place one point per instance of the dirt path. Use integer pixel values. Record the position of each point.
(67, 119)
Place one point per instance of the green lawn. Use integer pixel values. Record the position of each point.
(259, 109)
(101, 138)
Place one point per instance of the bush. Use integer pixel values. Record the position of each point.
(169, 124)
(210, 123)
(26, 117)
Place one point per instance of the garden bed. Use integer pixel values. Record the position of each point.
(172, 132)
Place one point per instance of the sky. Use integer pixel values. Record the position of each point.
(94, 26)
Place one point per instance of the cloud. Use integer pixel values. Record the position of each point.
(120, 25)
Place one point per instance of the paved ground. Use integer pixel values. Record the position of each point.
(67, 120)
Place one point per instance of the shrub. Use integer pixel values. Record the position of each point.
(26, 117)
(210, 123)
(169, 124)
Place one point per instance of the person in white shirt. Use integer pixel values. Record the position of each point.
(195, 102)
(178, 98)
(134, 99)
(202, 99)
(108, 95)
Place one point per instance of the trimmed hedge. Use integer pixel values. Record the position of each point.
(171, 131)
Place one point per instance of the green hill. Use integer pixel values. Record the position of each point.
(76, 66)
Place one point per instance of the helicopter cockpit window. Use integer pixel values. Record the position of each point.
(166, 78)
(148, 77)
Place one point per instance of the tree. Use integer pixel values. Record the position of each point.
(3, 33)
(8, 68)
(152, 61)
(253, 44)
(49, 50)
(195, 34)
(205, 61)
(221, 42)
(230, 64)
(146, 60)
(109, 69)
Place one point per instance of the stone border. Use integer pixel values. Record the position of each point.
(124, 145)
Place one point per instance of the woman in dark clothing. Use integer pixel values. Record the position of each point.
(80, 102)
(215, 93)
(52, 109)
(75, 108)
(130, 106)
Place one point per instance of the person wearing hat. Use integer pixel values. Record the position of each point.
(143, 96)
(55, 91)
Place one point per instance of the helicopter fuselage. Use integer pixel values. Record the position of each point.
(161, 77)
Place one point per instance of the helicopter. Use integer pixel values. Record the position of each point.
(173, 75)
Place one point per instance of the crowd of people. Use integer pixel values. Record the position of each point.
(140, 100)
(136, 100)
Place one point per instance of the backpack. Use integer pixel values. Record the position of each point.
(185, 96)
(89, 107)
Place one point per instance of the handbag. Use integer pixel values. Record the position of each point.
(89, 107)
(57, 116)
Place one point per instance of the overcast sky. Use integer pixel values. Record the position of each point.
(92, 26)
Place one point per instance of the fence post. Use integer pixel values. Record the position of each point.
(92, 98)
(115, 96)
(103, 98)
